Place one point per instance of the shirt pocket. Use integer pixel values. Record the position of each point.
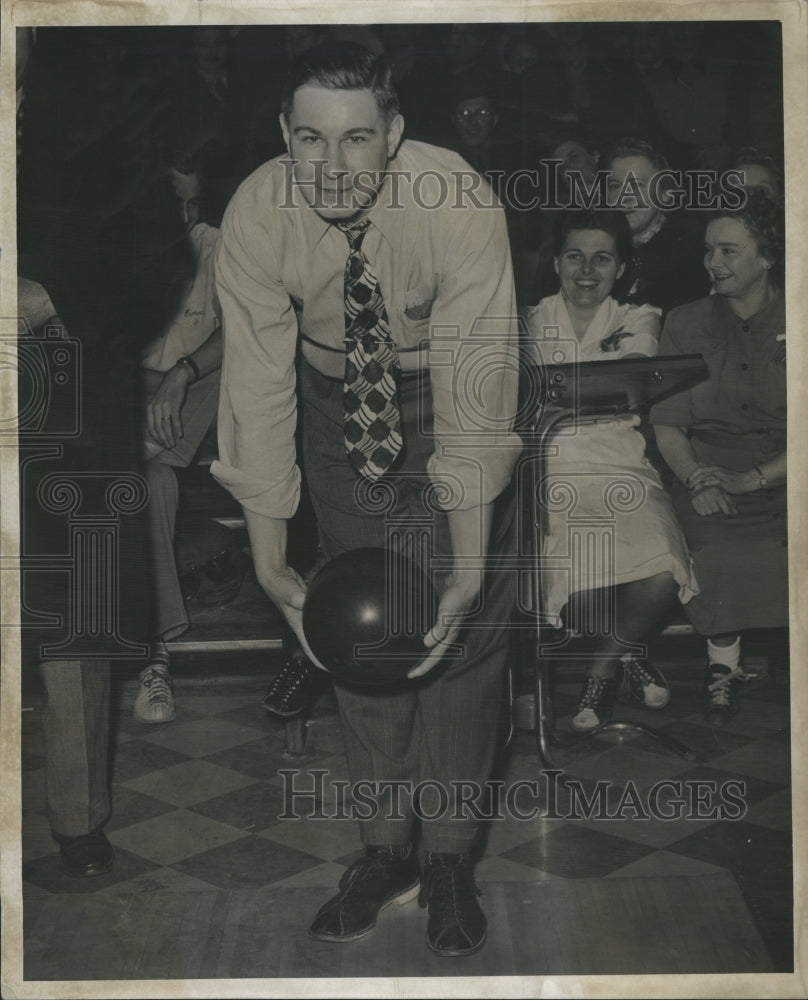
(418, 302)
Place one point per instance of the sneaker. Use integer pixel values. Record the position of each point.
(722, 687)
(155, 698)
(595, 703)
(456, 924)
(645, 683)
(383, 876)
(294, 688)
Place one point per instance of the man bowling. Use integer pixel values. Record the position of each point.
(368, 249)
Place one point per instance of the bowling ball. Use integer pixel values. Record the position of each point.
(366, 614)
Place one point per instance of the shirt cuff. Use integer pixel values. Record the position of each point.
(278, 500)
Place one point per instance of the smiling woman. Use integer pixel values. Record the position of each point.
(725, 441)
(649, 564)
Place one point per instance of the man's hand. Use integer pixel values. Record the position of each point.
(287, 591)
(163, 411)
(458, 599)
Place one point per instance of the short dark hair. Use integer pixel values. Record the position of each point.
(342, 66)
(607, 220)
(632, 146)
(764, 218)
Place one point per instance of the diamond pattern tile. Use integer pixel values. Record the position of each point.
(247, 863)
(253, 808)
(203, 736)
(575, 852)
(136, 758)
(174, 836)
(197, 806)
(764, 759)
(190, 782)
(258, 759)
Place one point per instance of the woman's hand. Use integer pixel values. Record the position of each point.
(164, 409)
(712, 500)
(729, 480)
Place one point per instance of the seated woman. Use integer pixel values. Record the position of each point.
(725, 440)
(614, 492)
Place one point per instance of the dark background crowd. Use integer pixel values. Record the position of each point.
(104, 109)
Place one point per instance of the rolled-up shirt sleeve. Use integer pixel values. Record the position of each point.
(258, 403)
(474, 364)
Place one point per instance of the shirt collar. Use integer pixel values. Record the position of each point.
(774, 307)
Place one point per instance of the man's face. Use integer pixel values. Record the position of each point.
(188, 189)
(475, 120)
(642, 170)
(342, 144)
(575, 157)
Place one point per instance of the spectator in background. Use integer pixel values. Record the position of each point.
(725, 441)
(497, 155)
(645, 563)
(414, 72)
(104, 262)
(619, 103)
(212, 104)
(474, 118)
(664, 269)
(760, 172)
(689, 87)
(577, 154)
(181, 390)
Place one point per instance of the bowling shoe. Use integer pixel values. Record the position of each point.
(88, 854)
(645, 682)
(723, 695)
(595, 703)
(383, 876)
(456, 924)
(294, 688)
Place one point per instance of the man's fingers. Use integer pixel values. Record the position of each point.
(426, 665)
(438, 647)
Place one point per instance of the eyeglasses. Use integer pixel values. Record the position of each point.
(484, 114)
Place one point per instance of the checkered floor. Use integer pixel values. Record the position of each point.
(198, 806)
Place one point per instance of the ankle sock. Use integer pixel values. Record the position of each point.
(729, 656)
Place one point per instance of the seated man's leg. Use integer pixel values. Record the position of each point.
(76, 728)
(155, 702)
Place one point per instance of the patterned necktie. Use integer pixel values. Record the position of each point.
(370, 408)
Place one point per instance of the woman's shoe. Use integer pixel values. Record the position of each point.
(722, 689)
(646, 683)
(595, 703)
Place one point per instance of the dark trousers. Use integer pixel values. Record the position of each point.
(440, 730)
(75, 721)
